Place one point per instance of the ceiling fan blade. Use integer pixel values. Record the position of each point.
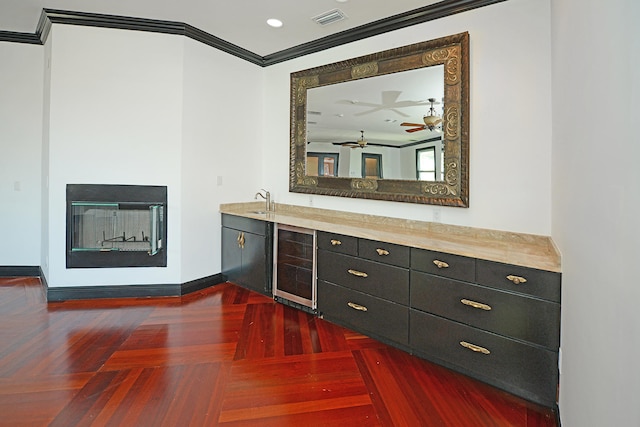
(415, 129)
(411, 124)
(373, 110)
(390, 97)
(398, 112)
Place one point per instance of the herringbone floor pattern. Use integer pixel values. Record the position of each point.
(223, 356)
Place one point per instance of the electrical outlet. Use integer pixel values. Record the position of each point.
(310, 200)
(219, 180)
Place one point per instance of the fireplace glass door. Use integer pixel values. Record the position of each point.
(135, 227)
(116, 226)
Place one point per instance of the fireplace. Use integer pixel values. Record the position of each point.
(112, 226)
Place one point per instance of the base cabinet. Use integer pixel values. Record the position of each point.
(515, 366)
(247, 254)
(374, 316)
(495, 322)
(362, 285)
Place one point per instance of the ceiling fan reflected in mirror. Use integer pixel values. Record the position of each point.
(432, 120)
(360, 143)
(390, 102)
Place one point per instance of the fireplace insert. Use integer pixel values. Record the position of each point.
(116, 226)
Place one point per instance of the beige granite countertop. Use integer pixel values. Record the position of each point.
(526, 250)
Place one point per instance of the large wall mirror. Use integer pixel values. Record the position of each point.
(393, 125)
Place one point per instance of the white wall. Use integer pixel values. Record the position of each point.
(139, 108)
(596, 206)
(510, 153)
(44, 170)
(21, 89)
(221, 149)
(115, 118)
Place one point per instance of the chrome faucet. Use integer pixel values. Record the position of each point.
(266, 196)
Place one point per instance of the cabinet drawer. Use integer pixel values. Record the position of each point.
(381, 280)
(338, 243)
(249, 225)
(387, 253)
(517, 316)
(540, 283)
(530, 372)
(447, 265)
(364, 313)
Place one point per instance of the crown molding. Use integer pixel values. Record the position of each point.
(417, 16)
(15, 37)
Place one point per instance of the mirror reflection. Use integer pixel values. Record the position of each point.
(391, 125)
(375, 127)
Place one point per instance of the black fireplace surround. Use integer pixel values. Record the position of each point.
(111, 226)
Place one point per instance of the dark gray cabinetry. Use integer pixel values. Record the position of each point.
(501, 324)
(515, 366)
(247, 254)
(506, 313)
(365, 295)
(496, 322)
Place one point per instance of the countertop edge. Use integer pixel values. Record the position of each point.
(521, 249)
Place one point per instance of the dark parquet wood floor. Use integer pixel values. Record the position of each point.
(223, 356)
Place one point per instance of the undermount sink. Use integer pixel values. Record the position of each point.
(258, 212)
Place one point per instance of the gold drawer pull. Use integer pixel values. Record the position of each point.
(358, 273)
(440, 264)
(382, 252)
(516, 279)
(335, 242)
(474, 304)
(357, 306)
(474, 347)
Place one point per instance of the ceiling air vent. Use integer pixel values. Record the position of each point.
(329, 17)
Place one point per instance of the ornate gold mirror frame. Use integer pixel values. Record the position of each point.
(453, 53)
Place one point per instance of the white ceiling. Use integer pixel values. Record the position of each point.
(241, 22)
(378, 106)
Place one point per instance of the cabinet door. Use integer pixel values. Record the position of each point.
(517, 316)
(231, 255)
(254, 264)
(362, 312)
(525, 370)
(373, 278)
(245, 259)
(443, 264)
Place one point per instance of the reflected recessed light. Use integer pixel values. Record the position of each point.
(342, 1)
(275, 23)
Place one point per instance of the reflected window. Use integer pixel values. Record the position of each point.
(372, 165)
(428, 169)
(426, 164)
(322, 164)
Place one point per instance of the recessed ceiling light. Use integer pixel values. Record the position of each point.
(342, 1)
(275, 23)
